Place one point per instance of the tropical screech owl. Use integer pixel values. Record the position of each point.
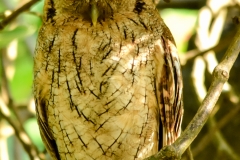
(107, 80)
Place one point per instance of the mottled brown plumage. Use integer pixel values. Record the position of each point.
(107, 80)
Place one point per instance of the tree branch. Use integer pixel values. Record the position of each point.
(222, 44)
(220, 76)
(14, 14)
(20, 132)
(208, 137)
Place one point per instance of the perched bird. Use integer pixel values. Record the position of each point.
(107, 80)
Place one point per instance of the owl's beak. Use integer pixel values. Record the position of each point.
(94, 13)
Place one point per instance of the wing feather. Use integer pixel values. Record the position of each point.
(169, 92)
(45, 132)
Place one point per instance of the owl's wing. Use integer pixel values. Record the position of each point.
(169, 91)
(46, 135)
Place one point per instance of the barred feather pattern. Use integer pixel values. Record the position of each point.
(169, 91)
(108, 90)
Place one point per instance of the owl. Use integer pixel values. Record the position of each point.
(107, 80)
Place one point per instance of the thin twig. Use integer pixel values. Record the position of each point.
(222, 44)
(189, 153)
(208, 137)
(8, 111)
(222, 145)
(20, 133)
(14, 14)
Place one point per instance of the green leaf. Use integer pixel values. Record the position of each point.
(6, 36)
(32, 130)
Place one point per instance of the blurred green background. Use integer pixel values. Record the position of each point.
(17, 43)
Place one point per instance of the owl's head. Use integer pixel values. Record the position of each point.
(93, 9)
